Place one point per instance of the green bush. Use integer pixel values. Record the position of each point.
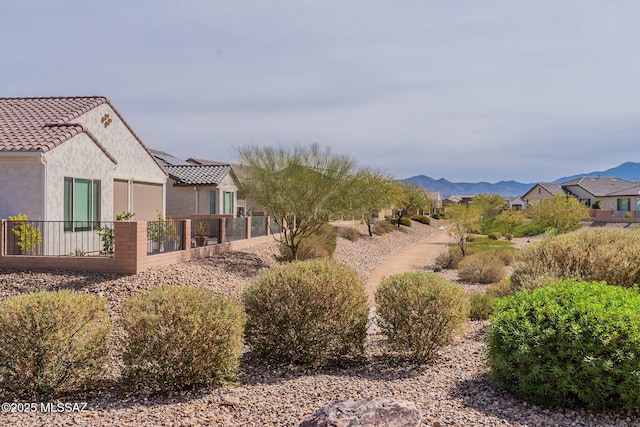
(603, 254)
(310, 313)
(403, 221)
(570, 343)
(483, 267)
(52, 342)
(481, 305)
(419, 312)
(382, 227)
(321, 244)
(496, 235)
(181, 338)
(421, 219)
(529, 229)
(350, 233)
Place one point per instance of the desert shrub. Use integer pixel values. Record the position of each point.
(310, 313)
(350, 233)
(382, 227)
(529, 229)
(419, 312)
(52, 342)
(609, 254)
(481, 305)
(483, 267)
(421, 219)
(509, 237)
(450, 258)
(403, 221)
(496, 235)
(321, 244)
(570, 343)
(181, 338)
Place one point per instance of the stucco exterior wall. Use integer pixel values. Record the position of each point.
(181, 201)
(133, 159)
(22, 178)
(78, 157)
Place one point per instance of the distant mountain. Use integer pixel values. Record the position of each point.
(629, 171)
(447, 188)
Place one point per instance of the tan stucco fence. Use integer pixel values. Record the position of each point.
(130, 251)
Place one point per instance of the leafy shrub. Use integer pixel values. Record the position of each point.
(52, 342)
(181, 338)
(403, 221)
(382, 227)
(350, 233)
(321, 244)
(309, 313)
(419, 312)
(529, 229)
(496, 235)
(450, 258)
(483, 267)
(609, 254)
(421, 219)
(570, 343)
(481, 305)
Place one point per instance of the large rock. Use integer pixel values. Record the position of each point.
(372, 412)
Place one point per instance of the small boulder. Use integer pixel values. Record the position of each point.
(372, 412)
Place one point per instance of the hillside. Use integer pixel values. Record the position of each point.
(629, 171)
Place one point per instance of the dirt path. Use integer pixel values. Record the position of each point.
(413, 257)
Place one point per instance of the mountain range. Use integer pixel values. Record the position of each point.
(629, 171)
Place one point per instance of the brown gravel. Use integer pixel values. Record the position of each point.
(452, 391)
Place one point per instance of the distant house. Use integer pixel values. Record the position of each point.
(609, 193)
(74, 159)
(241, 172)
(541, 190)
(458, 198)
(197, 189)
(517, 203)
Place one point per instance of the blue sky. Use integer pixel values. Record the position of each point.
(466, 90)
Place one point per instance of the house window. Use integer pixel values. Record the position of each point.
(81, 204)
(212, 202)
(586, 202)
(624, 204)
(228, 203)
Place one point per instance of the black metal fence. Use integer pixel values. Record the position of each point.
(274, 228)
(258, 226)
(165, 236)
(60, 238)
(205, 231)
(235, 229)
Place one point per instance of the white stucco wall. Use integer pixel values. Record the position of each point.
(133, 160)
(78, 157)
(21, 182)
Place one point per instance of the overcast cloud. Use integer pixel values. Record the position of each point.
(466, 90)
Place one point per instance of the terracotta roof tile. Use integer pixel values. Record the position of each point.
(41, 124)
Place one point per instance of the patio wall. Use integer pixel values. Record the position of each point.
(130, 255)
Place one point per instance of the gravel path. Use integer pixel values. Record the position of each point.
(452, 391)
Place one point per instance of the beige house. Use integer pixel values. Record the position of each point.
(74, 159)
(199, 189)
(615, 194)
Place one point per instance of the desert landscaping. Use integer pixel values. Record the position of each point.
(452, 390)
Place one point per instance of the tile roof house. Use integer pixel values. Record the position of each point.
(611, 193)
(74, 159)
(197, 189)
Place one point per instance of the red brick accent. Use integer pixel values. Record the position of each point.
(130, 255)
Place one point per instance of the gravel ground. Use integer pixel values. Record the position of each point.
(451, 391)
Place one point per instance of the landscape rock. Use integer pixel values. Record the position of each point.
(372, 412)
